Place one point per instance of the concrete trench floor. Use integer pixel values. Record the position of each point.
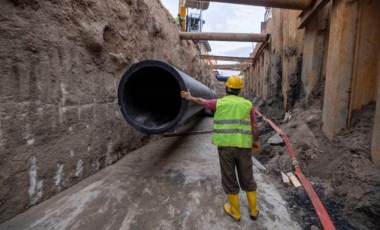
(173, 183)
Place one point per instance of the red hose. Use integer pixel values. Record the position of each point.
(318, 206)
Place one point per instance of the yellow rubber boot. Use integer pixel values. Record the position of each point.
(252, 204)
(232, 208)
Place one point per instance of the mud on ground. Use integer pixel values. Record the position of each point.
(340, 170)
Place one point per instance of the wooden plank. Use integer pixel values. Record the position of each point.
(293, 179)
(285, 179)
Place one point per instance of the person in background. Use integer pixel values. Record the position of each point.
(236, 134)
(178, 21)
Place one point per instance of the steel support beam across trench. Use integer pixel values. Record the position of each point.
(285, 4)
(149, 96)
(226, 58)
(231, 67)
(237, 37)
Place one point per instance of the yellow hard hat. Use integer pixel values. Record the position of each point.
(234, 82)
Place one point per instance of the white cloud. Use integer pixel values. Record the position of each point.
(222, 17)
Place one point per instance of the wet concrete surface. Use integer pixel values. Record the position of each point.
(173, 183)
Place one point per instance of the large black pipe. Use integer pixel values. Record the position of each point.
(222, 78)
(149, 96)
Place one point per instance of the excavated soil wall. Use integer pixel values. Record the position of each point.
(60, 64)
(276, 71)
(325, 71)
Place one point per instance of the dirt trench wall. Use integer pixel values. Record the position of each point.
(276, 72)
(314, 53)
(60, 64)
(351, 65)
(275, 27)
(332, 54)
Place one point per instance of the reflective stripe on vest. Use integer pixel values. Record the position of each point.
(232, 122)
(232, 131)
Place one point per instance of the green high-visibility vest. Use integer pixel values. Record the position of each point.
(232, 122)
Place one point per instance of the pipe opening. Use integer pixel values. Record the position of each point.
(151, 95)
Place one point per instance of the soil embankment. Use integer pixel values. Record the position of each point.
(60, 64)
(340, 170)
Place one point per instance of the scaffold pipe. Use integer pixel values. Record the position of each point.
(226, 58)
(237, 37)
(284, 4)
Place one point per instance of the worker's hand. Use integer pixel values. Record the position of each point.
(186, 95)
(255, 147)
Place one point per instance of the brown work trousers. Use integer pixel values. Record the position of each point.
(232, 158)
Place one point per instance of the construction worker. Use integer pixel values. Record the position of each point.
(236, 133)
(178, 21)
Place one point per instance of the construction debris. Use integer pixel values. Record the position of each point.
(285, 179)
(293, 179)
(287, 117)
(276, 140)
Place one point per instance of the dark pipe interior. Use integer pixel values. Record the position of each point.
(152, 97)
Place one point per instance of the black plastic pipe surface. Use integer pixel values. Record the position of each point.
(222, 78)
(149, 96)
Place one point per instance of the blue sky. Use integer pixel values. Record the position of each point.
(222, 17)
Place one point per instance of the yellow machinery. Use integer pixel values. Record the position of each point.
(192, 22)
(182, 13)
